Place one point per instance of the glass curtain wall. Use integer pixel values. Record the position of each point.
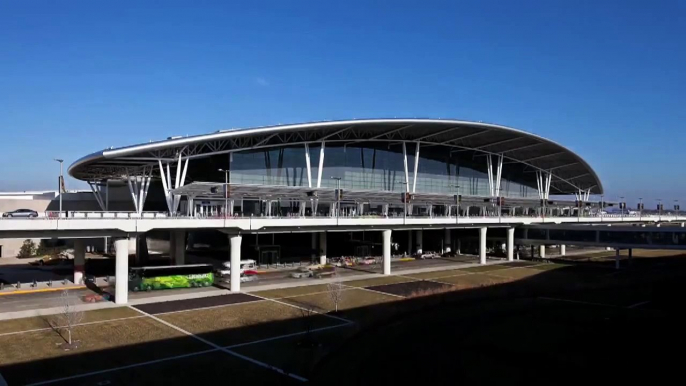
(368, 168)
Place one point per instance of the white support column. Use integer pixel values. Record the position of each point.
(563, 250)
(541, 251)
(321, 166)
(387, 252)
(499, 176)
(510, 244)
(165, 187)
(322, 248)
(235, 241)
(307, 165)
(419, 237)
(482, 245)
(121, 292)
(79, 260)
(447, 242)
(133, 194)
(416, 166)
(407, 173)
(179, 247)
(489, 165)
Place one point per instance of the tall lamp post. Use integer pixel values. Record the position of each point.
(226, 190)
(676, 208)
(404, 202)
(60, 182)
(640, 208)
(338, 195)
(602, 206)
(659, 209)
(457, 203)
(621, 205)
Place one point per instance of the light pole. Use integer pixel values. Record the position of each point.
(640, 208)
(676, 208)
(60, 182)
(621, 205)
(226, 190)
(404, 202)
(338, 195)
(659, 209)
(602, 205)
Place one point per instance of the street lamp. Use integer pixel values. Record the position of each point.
(621, 206)
(405, 201)
(60, 182)
(676, 208)
(640, 208)
(659, 209)
(226, 189)
(457, 204)
(338, 195)
(602, 206)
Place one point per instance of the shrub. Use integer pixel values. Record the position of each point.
(28, 249)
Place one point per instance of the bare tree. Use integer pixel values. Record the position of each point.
(70, 316)
(335, 291)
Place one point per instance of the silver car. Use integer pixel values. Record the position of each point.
(21, 213)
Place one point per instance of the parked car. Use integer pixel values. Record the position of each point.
(21, 213)
(246, 265)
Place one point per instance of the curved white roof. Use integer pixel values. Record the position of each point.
(570, 172)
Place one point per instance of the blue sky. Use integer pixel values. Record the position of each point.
(605, 78)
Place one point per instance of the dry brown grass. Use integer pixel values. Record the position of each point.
(473, 281)
(485, 268)
(431, 291)
(293, 291)
(515, 273)
(246, 322)
(38, 322)
(32, 346)
(377, 281)
(437, 274)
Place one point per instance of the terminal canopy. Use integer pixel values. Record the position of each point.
(524, 154)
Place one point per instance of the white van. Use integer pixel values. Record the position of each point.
(249, 264)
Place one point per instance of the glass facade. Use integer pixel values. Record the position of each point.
(376, 167)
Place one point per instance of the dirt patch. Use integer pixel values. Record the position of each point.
(191, 304)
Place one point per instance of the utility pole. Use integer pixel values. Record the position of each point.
(621, 205)
(640, 208)
(60, 182)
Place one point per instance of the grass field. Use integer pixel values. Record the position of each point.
(477, 325)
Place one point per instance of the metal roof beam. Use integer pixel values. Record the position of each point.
(541, 157)
(499, 142)
(439, 133)
(382, 135)
(468, 136)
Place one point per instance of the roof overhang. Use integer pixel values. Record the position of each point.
(570, 173)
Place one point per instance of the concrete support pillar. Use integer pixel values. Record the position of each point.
(172, 247)
(79, 260)
(541, 251)
(179, 247)
(387, 252)
(409, 242)
(447, 242)
(630, 255)
(510, 244)
(131, 246)
(322, 248)
(617, 258)
(482, 245)
(419, 242)
(235, 241)
(459, 247)
(121, 292)
(314, 238)
(563, 250)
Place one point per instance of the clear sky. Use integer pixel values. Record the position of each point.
(605, 78)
